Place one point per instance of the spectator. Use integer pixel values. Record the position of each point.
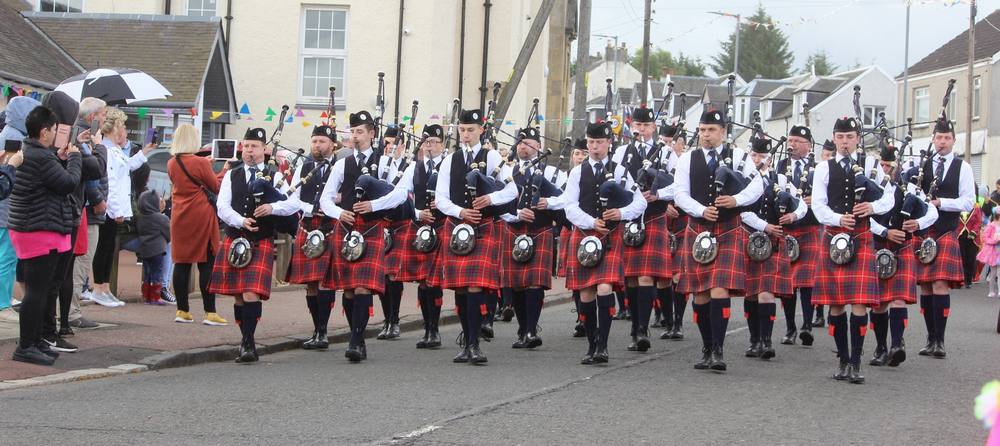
(17, 109)
(42, 215)
(989, 254)
(154, 234)
(993, 201)
(92, 111)
(119, 200)
(194, 227)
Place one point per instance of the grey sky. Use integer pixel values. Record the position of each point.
(850, 31)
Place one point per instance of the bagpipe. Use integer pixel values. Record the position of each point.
(426, 239)
(611, 194)
(261, 191)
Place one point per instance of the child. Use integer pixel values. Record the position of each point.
(154, 233)
(989, 254)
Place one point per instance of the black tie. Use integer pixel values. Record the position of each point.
(713, 163)
(798, 173)
(361, 159)
(527, 170)
(939, 170)
(253, 173)
(599, 171)
(430, 166)
(846, 163)
(468, 158)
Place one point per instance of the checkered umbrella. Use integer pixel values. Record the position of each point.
(115, 86)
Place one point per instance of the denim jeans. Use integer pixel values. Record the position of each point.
(8, 266)
(152, 269)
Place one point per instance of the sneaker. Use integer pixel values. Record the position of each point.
(167, 296)
(32, 355)
(105, 299)
(8, 315)
(59, 344)
(84, 324)
(66, 332)
(214, 319)
(15, 304)
(183, 317)
(87, 295)
(118, 302)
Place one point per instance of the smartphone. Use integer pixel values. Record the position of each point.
(63, 132)
(151, 136)
(224, 149)
(12, 146)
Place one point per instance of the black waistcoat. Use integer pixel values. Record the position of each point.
(947, 188)
(702, 182)
(351, 173)
(840, 189)
(766, 206)
(589, 187)
(311, 190)
(810, 218)
(242, 203)
(457, 187)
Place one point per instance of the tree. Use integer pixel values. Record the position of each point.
(763, 50)
(820, 63)
(661, 59)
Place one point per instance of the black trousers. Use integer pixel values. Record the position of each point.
(182, 280)
(105, 253)
(968, 248)
(42, 276)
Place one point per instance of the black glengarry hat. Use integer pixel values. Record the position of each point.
(256, 134)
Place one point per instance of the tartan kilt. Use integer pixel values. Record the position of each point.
(367, 272)
(536, 272)
(947, 266)
(303, 270)
(609, 271)
(394, 256)
(677, 228)
(902, 285)
(561, 259)
(771, 275)
(728, 270)
(253, 278)
(411, 265)
(853, 283)
(803, 270)
(652, 258)
(478, 268)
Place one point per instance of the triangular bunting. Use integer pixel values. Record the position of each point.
(168, 111)
(269, 119)
(141, 113)
(299, 113)
(306, 124)
(194, 111)
(290, 119)
(270, 112)
(215, 115)
(324, 115)
(245, 109)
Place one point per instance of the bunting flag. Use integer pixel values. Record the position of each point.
(194, 112)
(141, 113)
(270, 112)
(290, 119)
(245, 109)
(299, 113)
(306, 124)
(324, 115)
(215, 115)
(168, 111)
(435, 116)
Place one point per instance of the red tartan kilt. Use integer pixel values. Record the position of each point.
(803, 271)
(728, 270)
(411, 265)
(652, 258)
(853, 283)
(479, 268)
(367, 272)
(305, 270)
(394, 256)
(538, 271)
(771, 275)
(253, 278)
(902, 285)
(677, 228)
(947, 266)
(561, 255)
(609, 271)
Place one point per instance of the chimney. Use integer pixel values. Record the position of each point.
(665, 71)
(609, 52)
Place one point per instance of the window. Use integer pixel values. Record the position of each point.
(921, 105)
(323, 54)
(60, 5)
(741, 114)
(952, 110)
(977, 89)
(201, 8)
(871, 114)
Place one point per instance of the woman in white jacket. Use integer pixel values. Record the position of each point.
(119, 200)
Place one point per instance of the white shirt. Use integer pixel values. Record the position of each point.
(442, 193)
(966, 185)
(327, 201)
(923, 222)
(119, 168)
(821, 181)
(571, 196)
(305, 207)
(682, 181)
(754, 221)
(522, 164)
(225, 201)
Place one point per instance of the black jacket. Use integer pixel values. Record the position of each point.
(92, 166)
(154, 227)
(42, 199)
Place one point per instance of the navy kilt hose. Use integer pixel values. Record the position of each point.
(771, 275)
(367, 272)
(406, 264)
(727, 271)
(947, 266)
(479, 268)
(609, 271)
(853, 283)
(902, 285)
(561, 255)
(652, 258)
(253, 278)
(538, 271)
(303, 270)
(677, 227)
(804, 268)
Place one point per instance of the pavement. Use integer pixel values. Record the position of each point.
(406, 396)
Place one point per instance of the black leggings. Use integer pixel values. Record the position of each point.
(105, 253)
(182, 281)
(42, 276)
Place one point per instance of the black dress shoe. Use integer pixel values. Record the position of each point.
(716, 363)
(310, 344)
(642, 341)
(532, 341)
(66, 332)
(938, 351)
(462, 356)
(579, 331)
(677, 334)
(766, 349)
(32, 355)
(880, 358)
(247, 354)
(588, 359)
(753, 351)
(486, 331)
(896, 356)
(601, 356)
(634, 345)
(928, 349)
(519, 343)
(507, 314)
(842, 372)
(434, 339)
(854, 374)
(393, 331)
(422, 343)
(353, 353)
(384, 333)
(706, 359)
(666, 334)
(789, 338)
(476, 356)
(806, 336)
(321, 341)
(364, 351)
(818, 322)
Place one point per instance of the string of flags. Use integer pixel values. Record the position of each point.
(814, 20)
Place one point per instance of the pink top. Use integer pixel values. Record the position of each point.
(989, 254)
(28, 245)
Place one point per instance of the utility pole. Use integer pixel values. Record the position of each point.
(617, 53)
(906, 68)
(580, 85)
(557, 82)
(968, 102)
(523, 57)
(645, 52)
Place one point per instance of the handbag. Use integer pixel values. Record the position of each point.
(209, 195)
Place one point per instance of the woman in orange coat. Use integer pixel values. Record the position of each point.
(194, 228)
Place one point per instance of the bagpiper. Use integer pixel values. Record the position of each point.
(392, 298)
(672, 303)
